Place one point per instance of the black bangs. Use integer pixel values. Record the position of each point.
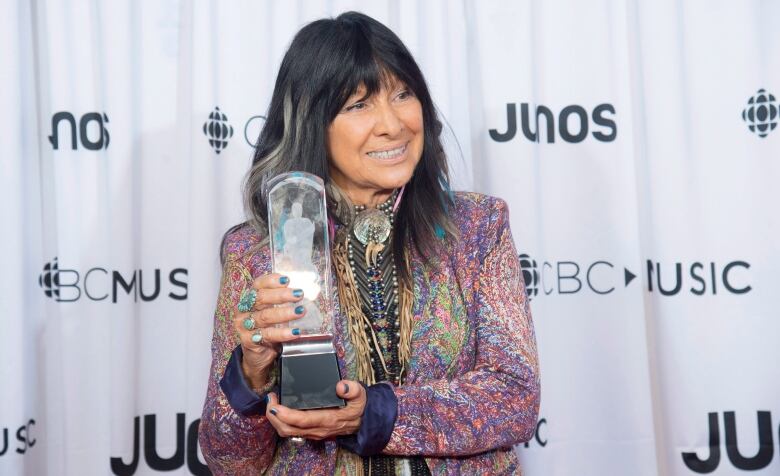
(370, 58)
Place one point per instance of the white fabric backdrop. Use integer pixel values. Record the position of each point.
(667, 186)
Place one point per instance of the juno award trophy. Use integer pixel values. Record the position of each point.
(300, 250)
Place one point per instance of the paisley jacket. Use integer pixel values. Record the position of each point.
(472, 390)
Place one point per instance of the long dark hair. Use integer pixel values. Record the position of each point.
(326, 63)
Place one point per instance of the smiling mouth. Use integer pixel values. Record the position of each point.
(389, 154)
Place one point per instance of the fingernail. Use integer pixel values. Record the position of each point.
(346, 388)
(273, 411)
(298, 293)
(296, 332)
(266, 398)
(299, 310)
(284, 280)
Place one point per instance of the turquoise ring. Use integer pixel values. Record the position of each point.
(257, 337)
(247, 300)
(249, 323)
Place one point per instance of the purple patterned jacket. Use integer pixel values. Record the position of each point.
(472, 390)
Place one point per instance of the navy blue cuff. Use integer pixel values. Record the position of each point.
(377, 424)
(243, 399)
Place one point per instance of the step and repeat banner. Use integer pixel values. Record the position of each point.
(635, 143)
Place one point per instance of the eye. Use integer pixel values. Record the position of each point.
(360, 105)
(405, 94)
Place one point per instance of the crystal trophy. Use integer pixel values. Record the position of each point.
(300, 250)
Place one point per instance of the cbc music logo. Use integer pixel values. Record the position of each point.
(603, 277)
(218, 130)
(24, 438)
(573, 123)
(759, 460)
(99, 284)
(761, 113)
(186, 450)
(91, 131)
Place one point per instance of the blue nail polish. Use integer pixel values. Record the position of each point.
(298, 293)
(273, 411)
(296, 332)
(266, 398)
(346, 388)
(299, 310)
(284, 280)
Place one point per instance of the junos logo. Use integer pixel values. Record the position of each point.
(760, 460)
(99, 284)
(218, 130)
(91, 129)
(23, 436)
(573, 123)
(154, 461)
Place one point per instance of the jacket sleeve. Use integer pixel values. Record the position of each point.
(496, 404)
(232, 444)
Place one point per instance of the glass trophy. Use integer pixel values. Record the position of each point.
(300, 250)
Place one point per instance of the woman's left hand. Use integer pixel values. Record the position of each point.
(320, 424)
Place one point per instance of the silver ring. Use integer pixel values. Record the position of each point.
(257, 337)
(297, 439)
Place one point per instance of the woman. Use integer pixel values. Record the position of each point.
(433, 331)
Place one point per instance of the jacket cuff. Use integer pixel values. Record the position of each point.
(377, 424)
(242, 399)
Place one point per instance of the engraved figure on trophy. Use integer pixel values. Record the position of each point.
(298, 238)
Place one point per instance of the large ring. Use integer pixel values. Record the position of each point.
(297, 439)
(257, 337)
(248, 299)
(249, 323)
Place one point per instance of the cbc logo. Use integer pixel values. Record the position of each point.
(218, 130)
(570, 277)
(761, 113)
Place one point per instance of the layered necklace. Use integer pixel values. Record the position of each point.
(369, 249)
(377, 304)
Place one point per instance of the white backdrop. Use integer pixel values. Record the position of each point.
(644, 205)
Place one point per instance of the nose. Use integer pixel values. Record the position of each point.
(387, 121)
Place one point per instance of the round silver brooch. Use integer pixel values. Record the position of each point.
(372, 225)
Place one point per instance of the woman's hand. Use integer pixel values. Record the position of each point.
(320, 424)
(259, 357)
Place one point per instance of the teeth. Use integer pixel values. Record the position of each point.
(388, 154)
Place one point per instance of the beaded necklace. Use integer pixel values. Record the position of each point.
(375, 274)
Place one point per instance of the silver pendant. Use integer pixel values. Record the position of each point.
(372, 225)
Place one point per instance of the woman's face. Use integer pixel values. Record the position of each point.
(376, 142)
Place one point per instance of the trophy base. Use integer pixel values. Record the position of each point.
(309, 372)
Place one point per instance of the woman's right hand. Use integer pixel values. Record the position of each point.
(259, 357)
